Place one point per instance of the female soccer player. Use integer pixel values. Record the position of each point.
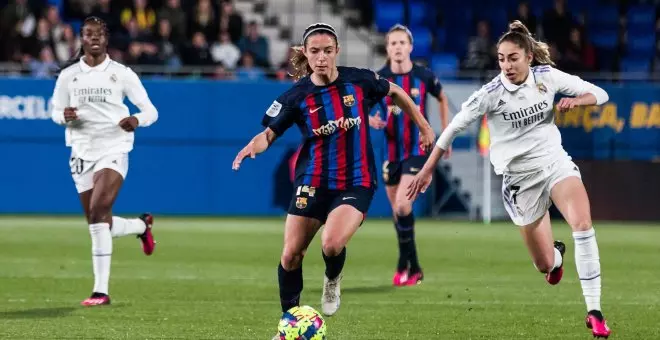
(526, 148)
(403, 156)
(88, 100)
(335, 171)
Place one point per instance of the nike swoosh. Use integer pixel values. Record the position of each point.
(348, 198)
(316, 109)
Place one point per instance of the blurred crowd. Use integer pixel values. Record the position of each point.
(164, 33)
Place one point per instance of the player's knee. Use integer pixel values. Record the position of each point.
(402, 207)
(583, 224)
(291, 260)
(332, 247)
(99, 212)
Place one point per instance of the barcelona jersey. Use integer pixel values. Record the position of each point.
(401, 133)
(334, 121)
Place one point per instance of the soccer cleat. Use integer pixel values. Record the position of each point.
(415, 279)
(400, 278)
(97, 299)
(147, 238)
(598, 325)
(330, 299)
(556, 274)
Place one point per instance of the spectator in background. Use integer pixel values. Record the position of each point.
(231, 22)
(52, 15)
(221, 73)
(78, 9)
(176, 17)
(45, 66)
(197, 53)
(40, 39)
(132, 34)
(67, 45)
(579, 55)
(103, 10)
(17, 17)
(142, 14)
(557, 23)
(255, 44)
(168, 50)
(247, 70)
(203, 20)
(525, 16)
(481, 49)
(223, 51)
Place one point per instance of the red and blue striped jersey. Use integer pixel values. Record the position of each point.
(401, 133)
(334, 121)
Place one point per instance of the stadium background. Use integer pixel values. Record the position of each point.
(212, 67)
(213, 274)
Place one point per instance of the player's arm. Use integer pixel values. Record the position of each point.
(257, 145)
(444, 109)
(583, 92)
(403, 101)
(137, 94)
(471, 110)
(61, 113)
(435, 88)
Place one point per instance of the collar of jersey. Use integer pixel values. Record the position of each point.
(509, 86)
(102, 66)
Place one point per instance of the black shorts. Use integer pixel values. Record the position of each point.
(392, 171)
(319, 202)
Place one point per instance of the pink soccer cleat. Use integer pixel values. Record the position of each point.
(147, 238)
(598, 325)
(97, 299)
(415, 279)
(556, 274)
(400, 278)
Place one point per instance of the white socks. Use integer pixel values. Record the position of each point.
(587, 262)
(558, 259)
(101, 255)
(122, 226)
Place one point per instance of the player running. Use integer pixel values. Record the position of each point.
(403, 155)
(335, 171)
(88, 100)
(526, 148)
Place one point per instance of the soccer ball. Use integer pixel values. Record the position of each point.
(302, 323)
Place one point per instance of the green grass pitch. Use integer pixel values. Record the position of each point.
(217, 279)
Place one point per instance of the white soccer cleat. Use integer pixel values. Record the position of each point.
(331, 295)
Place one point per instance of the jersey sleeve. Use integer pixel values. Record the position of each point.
(472, 109)
(60, 100)
(377, 86)
(571, 85)
(137, 94)
(433, 85)
(281, 114)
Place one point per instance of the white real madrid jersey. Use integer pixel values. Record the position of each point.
(98, 94)
(523, 135)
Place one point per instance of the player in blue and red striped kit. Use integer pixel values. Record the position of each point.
(403, 155)
(335, 171)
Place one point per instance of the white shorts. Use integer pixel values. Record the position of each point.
(526, 196)
(83, 171)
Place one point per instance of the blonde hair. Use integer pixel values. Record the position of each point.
(397, 28)
(520, 35)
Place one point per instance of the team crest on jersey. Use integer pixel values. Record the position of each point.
(414, 92)
(301, 202)
(113, 78)
(541, 88)
(349, 100)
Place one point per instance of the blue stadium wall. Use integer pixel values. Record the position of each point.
(182, 164)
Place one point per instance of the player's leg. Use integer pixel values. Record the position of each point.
(392, 178)
(570, 197)
(547, 254)
(406, 227)
(347, 211)
(298, 233)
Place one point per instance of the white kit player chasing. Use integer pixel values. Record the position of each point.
(88, 100)
(526, 149)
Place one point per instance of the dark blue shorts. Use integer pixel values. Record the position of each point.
(392, 171)
(319, 202)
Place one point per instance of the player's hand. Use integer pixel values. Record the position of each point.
(376, 122)
(427, 139)
(419, 184)
(248, 150)
(566, 104)
(129, 123)
(70, 114)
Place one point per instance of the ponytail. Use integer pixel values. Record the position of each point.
(299, 64)
(520, 35)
